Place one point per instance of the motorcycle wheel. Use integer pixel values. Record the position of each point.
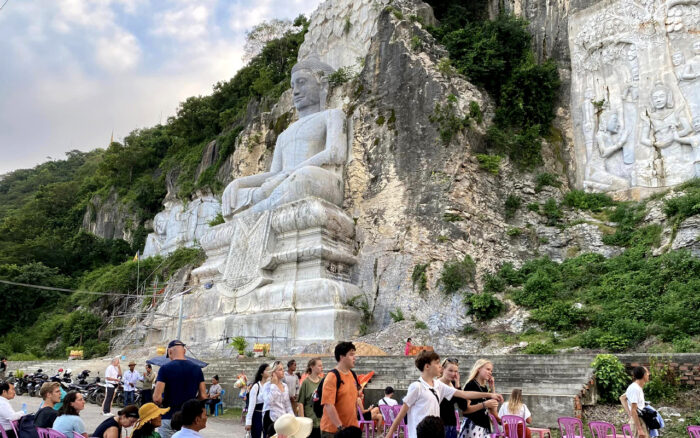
(100, 398)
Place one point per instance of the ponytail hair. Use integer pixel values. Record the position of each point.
(515, 402)
(311, 364)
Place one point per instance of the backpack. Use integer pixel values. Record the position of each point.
(26, 428)
(318, 394)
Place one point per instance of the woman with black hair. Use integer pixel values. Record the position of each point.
(254, 417)
(7, 414)
(190, 419)
(112, 427)
(68, 420)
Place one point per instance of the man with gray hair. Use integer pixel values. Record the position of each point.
(113, 375)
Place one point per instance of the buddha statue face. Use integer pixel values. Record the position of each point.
(306, 89)
(678, 59)
(659, 98)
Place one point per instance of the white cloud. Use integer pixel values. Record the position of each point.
(117, 53)
(186, 23)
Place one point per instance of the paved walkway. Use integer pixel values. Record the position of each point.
(92, 416)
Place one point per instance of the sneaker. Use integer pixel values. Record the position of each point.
(107, 414)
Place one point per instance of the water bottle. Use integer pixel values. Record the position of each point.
(24, 408)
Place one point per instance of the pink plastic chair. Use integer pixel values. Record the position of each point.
(570, 427)
(497, 432)
(15, 426)
(366, 425)
(49, 433)
(77, 435)
(627, 431)
(694, 431)
(402, 426)
(2, 433)
(602, 429)
(511, 425)
(388, 415)
(458, 422)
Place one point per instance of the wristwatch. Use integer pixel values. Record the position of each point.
(340, 428)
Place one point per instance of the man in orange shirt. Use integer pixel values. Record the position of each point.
(340, 406)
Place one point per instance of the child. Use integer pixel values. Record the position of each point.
(515, 406)
(424, 396)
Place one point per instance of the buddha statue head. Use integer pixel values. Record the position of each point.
(661, 97)
(310, 85)
(677, 58)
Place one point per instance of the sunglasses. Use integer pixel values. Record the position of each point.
(451, 360)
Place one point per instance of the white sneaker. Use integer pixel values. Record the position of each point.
(107, 414)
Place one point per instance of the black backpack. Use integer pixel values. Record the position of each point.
(26, 428)
(318, 394)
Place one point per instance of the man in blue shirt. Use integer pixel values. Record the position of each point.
(178, 381)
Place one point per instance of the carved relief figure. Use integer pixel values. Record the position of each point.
(308, 156)
(692, 69)
(661, 129)
(693, 140)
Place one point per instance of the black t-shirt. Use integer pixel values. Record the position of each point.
(3, 367)
(45, 416)
(480, 417)
(447, 410)
(182, 379)
(102, 428)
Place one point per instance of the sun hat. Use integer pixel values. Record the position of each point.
(132, 363)
(148, 412)
(293, 427)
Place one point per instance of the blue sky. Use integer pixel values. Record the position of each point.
(71, 71)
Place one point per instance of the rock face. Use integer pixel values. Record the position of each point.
(180, 225)
(109, 218)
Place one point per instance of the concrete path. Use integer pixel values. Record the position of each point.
(92, 416)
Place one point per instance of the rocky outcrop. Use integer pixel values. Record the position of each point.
(110, 218)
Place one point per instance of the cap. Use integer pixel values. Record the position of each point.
(173, 343)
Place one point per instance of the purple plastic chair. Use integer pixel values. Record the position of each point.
(402, 426)
(388, 415)
(602, 429)
(366, 425)
(15, 425)
(627, 431)
(457, 417)
(570, 427)
(511, 426)
(694, 431)
(77, 435)
(497, 432)
(49, 433)
(2, 433)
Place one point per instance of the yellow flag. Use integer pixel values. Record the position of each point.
(136, 257)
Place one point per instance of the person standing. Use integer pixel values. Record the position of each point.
(306, 394)
(292, 381)
(113, 374)
(178, 381)
(478, 423)
(277, 400)
(424, 396)
(339, 398)
(450, 377)
(407, 349)
(214, 394)
(130, 379)
(635, 400)
(51, 394)
(254, 416)
(68, 421)
(7, 414)
(147, 385)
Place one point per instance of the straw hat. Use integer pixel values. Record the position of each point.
(293, 427)
(148, 412)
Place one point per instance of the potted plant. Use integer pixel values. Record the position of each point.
(240, 344)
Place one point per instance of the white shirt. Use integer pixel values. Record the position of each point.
(292, 382)
(253, 399)
(422, 401)
(387, 401)
(7, 414)
(112, 372)
(635, 394)
(186, 433)
(130, 378)
(278, 401)
(523, 412)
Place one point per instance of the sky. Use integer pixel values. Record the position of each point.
(74, 71)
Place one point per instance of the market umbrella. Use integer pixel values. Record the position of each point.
(162, 360)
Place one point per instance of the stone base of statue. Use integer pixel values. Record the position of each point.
(284, 273)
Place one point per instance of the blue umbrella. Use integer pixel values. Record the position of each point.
(159, 361)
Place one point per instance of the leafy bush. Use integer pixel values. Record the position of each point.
(340, 76)
(219, 219)
(534, 207)
(538, 289)
(514, 232)
(663, 382)
(420, 325)
(523, 147)
(450, 123)
(475, 112)
(494, 283)
(240, 344)
(545, 179)
(512, 204)
(484, 306)
(457, 274)
(684, 206)
(684, 344)
(611, 378)
(397, 315)
(551, 211)
(540, 348)
(419, 276)
(587, 201)
(489, 163)
(559, 316)
(613, 343)
(510, 275)
(627, 216)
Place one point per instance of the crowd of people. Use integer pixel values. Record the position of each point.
(280, 403)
